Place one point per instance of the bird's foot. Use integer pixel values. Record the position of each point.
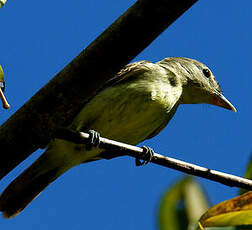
(147, 156)
(93, 139)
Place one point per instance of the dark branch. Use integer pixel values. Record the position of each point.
(63, 97)
(130, 150)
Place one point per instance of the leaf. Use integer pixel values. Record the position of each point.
(195, 200)
(248, 175)
(2, 84)
(2, 2)
(182, 205)
(171, 213)
(244, 227)
(233, 212)
(1, 74)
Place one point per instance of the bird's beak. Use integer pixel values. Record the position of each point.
(220, 100)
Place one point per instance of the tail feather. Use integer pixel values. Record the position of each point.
(27, 186)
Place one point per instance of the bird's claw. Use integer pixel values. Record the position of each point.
(94, 139)
(147, 156)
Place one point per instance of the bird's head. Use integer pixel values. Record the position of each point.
(198, 82)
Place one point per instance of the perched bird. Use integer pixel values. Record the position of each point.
(134, 106)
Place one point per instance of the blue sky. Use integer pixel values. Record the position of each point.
(38, 40)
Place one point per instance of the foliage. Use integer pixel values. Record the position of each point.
(185, 204)
(1, 73)
(182, 205)
(2, 2)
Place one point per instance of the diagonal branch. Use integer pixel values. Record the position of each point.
(63, 97)
(134, 151)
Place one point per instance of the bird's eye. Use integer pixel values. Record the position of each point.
(206, 72)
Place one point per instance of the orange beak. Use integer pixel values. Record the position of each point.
(220, 100)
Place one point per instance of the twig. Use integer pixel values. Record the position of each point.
(134, 151)
(4, 101)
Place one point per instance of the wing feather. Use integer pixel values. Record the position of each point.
(132, 70)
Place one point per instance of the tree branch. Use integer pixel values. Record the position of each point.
(134, 151)
(62, 98)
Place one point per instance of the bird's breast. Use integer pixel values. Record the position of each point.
(127, 112)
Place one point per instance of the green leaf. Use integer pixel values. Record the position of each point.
(248, 175)
(233, 212)
(172, 213)
(2, 83)
(1, 74)
(182, 205)
(244, 227)
(195, 200)
(2, 2)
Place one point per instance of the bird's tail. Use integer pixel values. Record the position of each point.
(29, 184)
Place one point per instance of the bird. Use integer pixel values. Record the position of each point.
(135, 105)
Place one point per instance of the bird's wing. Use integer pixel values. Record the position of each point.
(129, 71)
